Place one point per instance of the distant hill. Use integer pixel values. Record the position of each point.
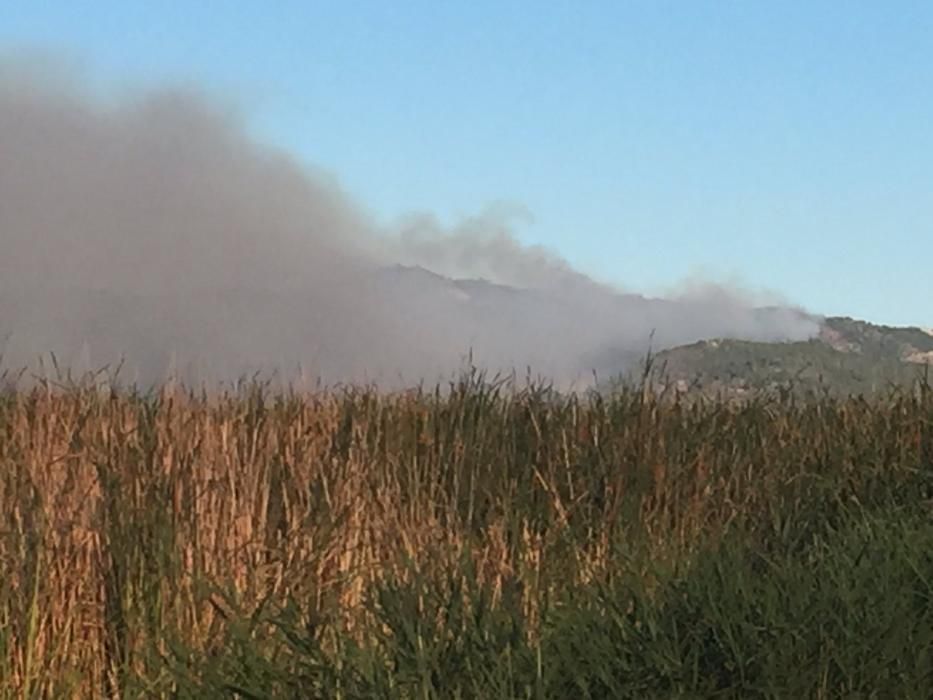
(847, 357)
(411, 323)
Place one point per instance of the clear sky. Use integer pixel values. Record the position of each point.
(788, 145)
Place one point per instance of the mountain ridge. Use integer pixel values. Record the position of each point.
(848, 356)
(565, 333)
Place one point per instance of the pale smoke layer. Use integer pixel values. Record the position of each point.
(155, 230)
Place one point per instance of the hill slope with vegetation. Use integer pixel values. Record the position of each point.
(847, 357)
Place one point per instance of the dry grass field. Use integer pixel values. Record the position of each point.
(479, 540)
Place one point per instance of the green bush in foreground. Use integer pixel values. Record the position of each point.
(849, 616)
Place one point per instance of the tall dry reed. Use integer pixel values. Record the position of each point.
(138, 527)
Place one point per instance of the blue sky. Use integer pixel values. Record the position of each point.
(786, 145)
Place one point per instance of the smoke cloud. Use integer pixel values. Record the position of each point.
(155, 230)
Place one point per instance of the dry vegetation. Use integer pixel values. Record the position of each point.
(479, 540)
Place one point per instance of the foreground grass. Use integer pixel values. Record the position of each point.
(482, 541)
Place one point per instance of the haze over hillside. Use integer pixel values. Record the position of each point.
(156, 230)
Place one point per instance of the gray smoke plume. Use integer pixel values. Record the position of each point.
(155, 230)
